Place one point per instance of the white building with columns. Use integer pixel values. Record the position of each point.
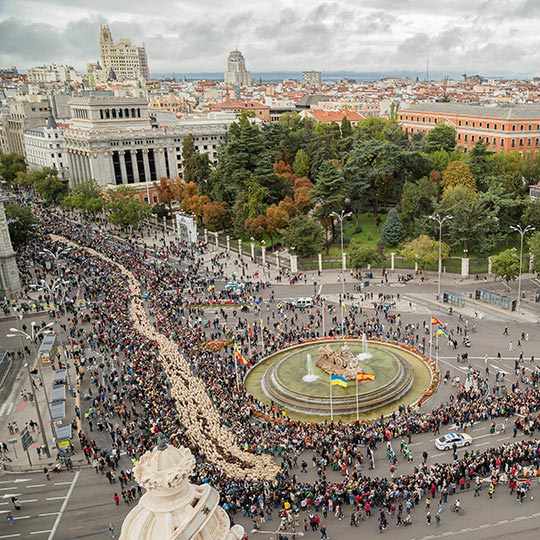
(115, 141)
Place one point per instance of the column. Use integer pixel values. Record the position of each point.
(489, 265)
(531, 262)
(465, 267)
(263, 254)
(159, 156)
(416, 266)
(240, 247)
(136, 177)
(392, 261)
(294, 264)
(146, 166)
(277, 259)
(252, 250)
(216, 235)
(122, 157)
(319, 258)
(206, 236)
(228, 239)
(344, 261)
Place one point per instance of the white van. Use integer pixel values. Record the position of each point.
(303, 303)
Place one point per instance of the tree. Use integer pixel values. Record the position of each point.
(21, 223)
(458, 173)
(534, 247)
(439, 160)
(86, 196)
(360, 255)
(216, 214)
(481, 163)
(276, 220)
(441, 137)
(305, 235)
(531, 216)
(506, 264)
(424, 250)
(302, 197)
(510, 166)
(418, 201)
(46, 183)
(256, 227)
(125, 208)
(392, 232)
(11, 165)
(301, 163)
(196, 167)
(164, 191)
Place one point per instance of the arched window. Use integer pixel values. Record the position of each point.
(113, 111)
(133, 115)
(126, 113)
(120, 115)
(107, 113)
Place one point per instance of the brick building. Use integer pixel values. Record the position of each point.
(504, 127)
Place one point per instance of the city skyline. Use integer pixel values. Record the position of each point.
(495, 37)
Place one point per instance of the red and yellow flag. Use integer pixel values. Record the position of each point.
(239, 357)
(250, 331)
(361, 376)
(434, 320)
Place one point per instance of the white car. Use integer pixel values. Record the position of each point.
(303, 303)
(446, 442)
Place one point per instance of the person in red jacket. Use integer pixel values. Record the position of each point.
(116, 499)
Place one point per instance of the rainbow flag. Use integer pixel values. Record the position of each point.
(338, 380)
(434, 320)
(239, 357)
(361, 376)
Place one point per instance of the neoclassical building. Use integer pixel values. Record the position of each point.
(115, 141)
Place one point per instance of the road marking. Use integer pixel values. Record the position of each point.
(30, 500)
(498, 368)
(6, 488)
(9, 495)
(55, 498)
(10, 408)
(64, 505)
(62, 483)
(483, 443)
(34, 485)
(49, 514)
(10, 536)
(504, 438)
(41, 532)
(479, 428)
(3, 408)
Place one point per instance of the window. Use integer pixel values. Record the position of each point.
(513, 144)
(466, 137)
(472, 138)
(487, 125)
(521, 127)
(513, 127)
(529, 141)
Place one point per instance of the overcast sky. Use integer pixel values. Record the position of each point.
(459, 36)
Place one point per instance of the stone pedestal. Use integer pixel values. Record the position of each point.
(392, 261)
(319, 257)
(263, 254)
(240, 248)
(489, 265)
(465, 267)
(205, 236)
(344, 261)
(294, 264)
(228, 240)
(252, 251)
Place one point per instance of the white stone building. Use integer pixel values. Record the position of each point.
(172, 508)
(44, 147)
(237, 74)
(127, 60)
(311, 78)
(115, 141)
(53, 73)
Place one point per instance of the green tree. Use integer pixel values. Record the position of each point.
(195, 165)
(392, 231)
(11, 165)
(301, 163)
(417, 202)
(305, 235)
(510, 166)
(531, 216)
(534, 247)
(481, 163)
(21, 223)
(458, 173)
(47, 184)
(440, 159)
(86, 196)
(506, 264)
(424, 250)
(360, 255)
(441, 137)
(125, 208)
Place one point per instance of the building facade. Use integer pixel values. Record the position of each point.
(52, 73)
(125, 59)
(115, 141)
(502, 128)
(25, 112)
(237, 74)
(311, 78)
(44, 147)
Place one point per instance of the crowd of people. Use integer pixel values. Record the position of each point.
(142, 314)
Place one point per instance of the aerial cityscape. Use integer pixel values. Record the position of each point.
(269, 270)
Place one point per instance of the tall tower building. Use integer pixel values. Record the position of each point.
(237, 74)
(10, 285)
(125, 59)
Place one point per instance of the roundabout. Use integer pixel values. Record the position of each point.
(346, 379)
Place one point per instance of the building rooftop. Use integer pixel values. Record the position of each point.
(503, 112)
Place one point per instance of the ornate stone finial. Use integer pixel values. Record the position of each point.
(161, 442)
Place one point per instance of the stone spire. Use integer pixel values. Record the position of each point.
(172, 508)
(10, 285)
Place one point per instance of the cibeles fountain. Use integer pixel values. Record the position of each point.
(373, 378)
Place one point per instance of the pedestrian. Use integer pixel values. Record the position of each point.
(116, 499)
(437, 519)
(47, 473)
(10, 519)
(324, 534)
(428, 518)
(510, 346)
(112, 530)
(16, 503)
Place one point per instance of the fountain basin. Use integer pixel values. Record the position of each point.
(400, 377)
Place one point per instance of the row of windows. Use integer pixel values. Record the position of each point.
(107, 114)
(474, 123)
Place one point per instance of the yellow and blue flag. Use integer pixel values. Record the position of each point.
(339, 380)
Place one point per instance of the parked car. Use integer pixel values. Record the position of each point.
(446, 442)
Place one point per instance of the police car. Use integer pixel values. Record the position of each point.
(446, 442)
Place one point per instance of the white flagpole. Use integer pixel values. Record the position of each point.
(331, 405)
(437, 348)
(249, 346)
(430, 336)
(323, 317)
(357, 411)
(236, 369)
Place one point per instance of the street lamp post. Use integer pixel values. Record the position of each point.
(440, 220)
(341, 216)
(55, 255)
(33, 338)
(522, 233)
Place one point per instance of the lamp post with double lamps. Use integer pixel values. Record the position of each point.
(522, 231)
(440, 220)
(55, 255)
(33, 337)
(341, 216)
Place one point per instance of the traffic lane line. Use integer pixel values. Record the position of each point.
(55, 498)
(41, 532)
(30, 501)
(22, 517)
(10, 536)
(64, 505)
(49, 514)
(61, 484)
(36, 486)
